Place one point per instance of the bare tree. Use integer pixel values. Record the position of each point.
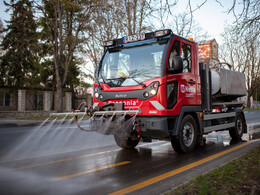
(249, 16)
(243, 52)
(1, 28)
(241, 45)
(185, 26)
(1, 35)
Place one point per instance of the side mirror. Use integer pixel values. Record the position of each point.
(177, 65)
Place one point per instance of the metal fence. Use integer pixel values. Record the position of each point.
(34, 100)
(8, 99)
(38, 100)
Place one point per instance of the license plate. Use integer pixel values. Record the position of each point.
(133, 38)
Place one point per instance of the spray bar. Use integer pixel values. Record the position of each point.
(68, 113)
(118, 112)
(99, 113)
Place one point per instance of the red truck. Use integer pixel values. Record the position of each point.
(157, 78)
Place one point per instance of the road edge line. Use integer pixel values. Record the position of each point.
(175, 171)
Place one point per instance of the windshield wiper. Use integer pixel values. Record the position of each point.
(124, 78)
(114, 79)
(139, 83)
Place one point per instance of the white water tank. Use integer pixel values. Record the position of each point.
(227, 84)
(215, 82)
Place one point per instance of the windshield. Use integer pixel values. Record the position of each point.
(133, 64)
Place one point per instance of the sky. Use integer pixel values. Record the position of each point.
(212, 17)
(3, 15)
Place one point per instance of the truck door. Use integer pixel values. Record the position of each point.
(181, 87)
(188, 82)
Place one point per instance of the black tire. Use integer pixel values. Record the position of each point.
(237, 132)
(186, 140)
(125, 143)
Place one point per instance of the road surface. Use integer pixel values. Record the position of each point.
(59, 159)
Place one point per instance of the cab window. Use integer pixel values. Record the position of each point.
(175, 51)
(186, 56)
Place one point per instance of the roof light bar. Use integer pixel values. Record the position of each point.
(161, 33)
(137, 37)
(108, 43)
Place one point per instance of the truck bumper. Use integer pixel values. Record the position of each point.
(154, 127)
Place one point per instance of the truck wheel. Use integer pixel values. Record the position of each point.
(237, 131)
(186, 140)
(125, 143)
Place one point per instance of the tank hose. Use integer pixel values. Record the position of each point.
(76, 119)
(90, 111)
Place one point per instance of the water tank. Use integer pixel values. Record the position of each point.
(227, 85)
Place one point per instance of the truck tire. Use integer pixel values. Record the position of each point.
(125, 143)
(237, 132)
(186, 140)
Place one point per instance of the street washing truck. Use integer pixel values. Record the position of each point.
(152, 86)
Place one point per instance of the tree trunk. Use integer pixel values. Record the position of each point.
(53, 97)
(59, 96)
(73, 96)
(248, 104)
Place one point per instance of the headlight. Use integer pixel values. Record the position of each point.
(155, 85)
(152, 92)
(96, 95)
(146, 94)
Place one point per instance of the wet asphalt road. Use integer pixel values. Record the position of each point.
(252, 116)
(62, 160)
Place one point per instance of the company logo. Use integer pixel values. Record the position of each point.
(126, 102)
(186, 89)
(120, 95)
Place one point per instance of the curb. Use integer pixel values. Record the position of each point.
(253, 127)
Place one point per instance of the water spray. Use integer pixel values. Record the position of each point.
(102, 119)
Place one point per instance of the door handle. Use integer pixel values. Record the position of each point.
(191, 82)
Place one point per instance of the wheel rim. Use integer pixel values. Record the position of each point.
(239, 126)
(188, 134)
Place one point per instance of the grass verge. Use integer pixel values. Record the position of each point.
(33, 117)
(251, 109)
(240, 176)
